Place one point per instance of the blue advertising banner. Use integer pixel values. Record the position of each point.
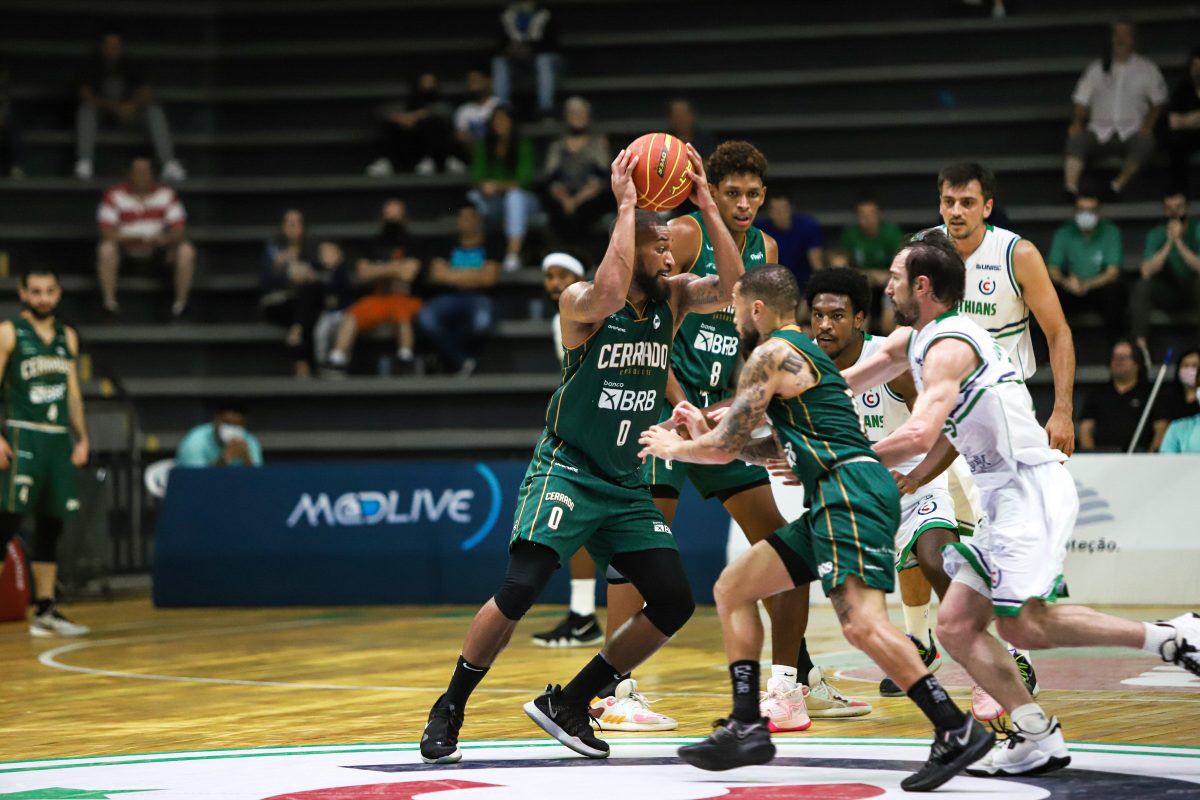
(409, 532)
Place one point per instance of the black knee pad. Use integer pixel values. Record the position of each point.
(614, 578)
(10, 523)
(530, 566)
(660, 578)
(48, 530)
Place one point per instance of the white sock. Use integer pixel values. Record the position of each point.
(404, 354)
(583, 596)
(1156, 637)
(1030, 718)
(337, 358)
(916, 621)
(784, 672)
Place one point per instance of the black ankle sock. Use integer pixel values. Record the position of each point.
(935, 704)
(45, 605)
(804, 664)
(464, 680)
(744, 675)
(595, 675)
(610, 688)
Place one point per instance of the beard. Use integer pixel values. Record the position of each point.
(652, 286)
(907, 313)
(39, 314)
(748, 341)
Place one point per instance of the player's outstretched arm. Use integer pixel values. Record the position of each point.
(885, 365)
(1038, 292)
(947, 361)
(588, 303)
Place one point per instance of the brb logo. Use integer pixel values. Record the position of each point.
(716, 343)
(987, 286)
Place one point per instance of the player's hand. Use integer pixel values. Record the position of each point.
(659, 442)
(780, 468)
(6, 453)
(1062, 432)
(622, 178)
(717, 414)
(1174, 229)
(907, 484)
(700, 196)
(79, 454)
(690, 417)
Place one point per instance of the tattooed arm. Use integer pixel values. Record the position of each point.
(773, 367)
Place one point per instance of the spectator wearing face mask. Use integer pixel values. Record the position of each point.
(1170, 269)
(559, 270)
(224, 442)
(1181, 395)
(1085, 263)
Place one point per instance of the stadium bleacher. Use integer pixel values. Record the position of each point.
(266, 117)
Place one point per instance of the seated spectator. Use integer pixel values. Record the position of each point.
(1170, 269)
(144, 222)
(419, 136)
(528, 39)
(224, 442)
(1085, 264)
(391, 269)
(681, 123)
(836, 257)
(1183, 124)
(471, 118)
(457, 320)
(1182, 436)
(871, 243)
(1111, 414)
(502, 170)
(113, 90)
(1181, 396)
(559, 270)
(798, 236)
(576, 176)
(1116, 105)
(10, 132)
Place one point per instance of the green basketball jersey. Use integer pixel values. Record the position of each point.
(613, 387)
(820, 427)
(707, 344)
(35, 379)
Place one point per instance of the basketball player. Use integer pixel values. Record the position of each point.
(703, 360)
(584, 484)
(1012, 569)
(43, 407)
(930, 517)
(844, 539)
(1006, 279)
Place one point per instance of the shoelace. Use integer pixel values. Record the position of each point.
(834, 693)
(638, 697)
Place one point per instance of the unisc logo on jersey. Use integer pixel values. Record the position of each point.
(987, 286)
(871, 399)
(927, 507)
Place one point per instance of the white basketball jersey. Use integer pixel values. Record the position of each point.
(880, 409)
(993, 298)
(992, 423)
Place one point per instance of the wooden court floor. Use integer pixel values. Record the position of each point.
(149, 680)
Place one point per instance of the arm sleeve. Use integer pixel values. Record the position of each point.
(1154, 240)
(176, 215)
(1113, 254)
(106, 212)
(255, 449)
(1058, 250)
(553, 160)
(189, 454)
(479, 164)
(524, 175)
(1158, 85)
(1086, 86)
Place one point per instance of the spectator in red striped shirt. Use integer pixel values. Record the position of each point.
(143, 221)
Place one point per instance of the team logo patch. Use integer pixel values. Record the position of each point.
(987, 286)
(657, 322)
(927, 507)
(815, 768)
(871, 399)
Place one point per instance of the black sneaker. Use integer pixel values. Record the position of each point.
(439, 742)
(569, 724)
(930, 657)
(952, 752)
(731, 744)
(575, 630)
(1025, 667)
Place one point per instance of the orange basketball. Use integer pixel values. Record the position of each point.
(661, 174)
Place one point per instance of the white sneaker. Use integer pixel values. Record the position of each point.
(83, 169)
(826, 702)
(1184, 649)
(53, 623)
(1025, 753)
(173, 172)
(512, 262)
(379, 168)
(628, 710)
(783, 706)
(455, 166)
(426, 166)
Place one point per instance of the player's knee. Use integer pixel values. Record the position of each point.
(726, 591)
(45, 547)
(670, 605)
(529, 569)
(951, 630)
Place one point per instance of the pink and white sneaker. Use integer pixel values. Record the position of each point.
(983, 706)
(628, 710)
(783, 706)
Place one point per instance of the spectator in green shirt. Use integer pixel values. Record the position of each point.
(502, 171)
(1085, 263)
(1170, 269)
(1183, 436)
(871, 243)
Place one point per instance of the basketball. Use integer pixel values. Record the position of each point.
(661, 175)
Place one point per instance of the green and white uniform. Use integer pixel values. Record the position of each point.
(584, 486)
(703, 359)
(853, 504)
(993, 297)
(883, 411)
(1029, 497)
(41, 478)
